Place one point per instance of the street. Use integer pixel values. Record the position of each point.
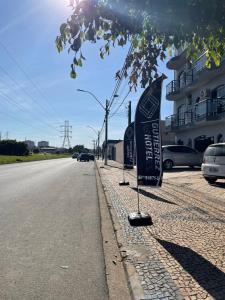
(51, 245)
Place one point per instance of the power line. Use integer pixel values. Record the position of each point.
(21, 108)
(114, 113)
(123, 87)
(37, 88)
(18, 120)
(42, 110)
(119, 81)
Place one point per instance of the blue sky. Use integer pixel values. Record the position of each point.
(36, 93)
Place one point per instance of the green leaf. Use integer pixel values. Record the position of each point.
(107, 48)
(76, 44)
(62, 28)
(79, 62)
(135, 42)
(82, 57)
(75, 61)
(58, 43)
(73, 74)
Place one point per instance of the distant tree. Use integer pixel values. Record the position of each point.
(70, 150)
(151, 26)
(12, 147)
(79, 149)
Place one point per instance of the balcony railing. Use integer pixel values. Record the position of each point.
(207, 110)
(187, 77)
(173, 87)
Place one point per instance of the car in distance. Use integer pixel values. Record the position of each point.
(179, 155)
(75, 155)
(91, 156)
(83, 157)
(213, 166)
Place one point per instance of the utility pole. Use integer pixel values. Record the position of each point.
(98, 143)
(94, 147)
(129, 113)
(106, 130)
(67, 131)
(106, 109)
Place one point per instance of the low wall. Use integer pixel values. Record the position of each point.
(119, 152)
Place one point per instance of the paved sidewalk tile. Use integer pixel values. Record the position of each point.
(182, 255)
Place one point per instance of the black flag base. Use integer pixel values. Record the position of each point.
(139, 219)
(122, 183)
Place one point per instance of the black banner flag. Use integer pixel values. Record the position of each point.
(128, 147)
(148, 136)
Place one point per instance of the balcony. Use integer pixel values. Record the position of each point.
(193, 78)
(199, 114)
(177, 62)
(173, 87)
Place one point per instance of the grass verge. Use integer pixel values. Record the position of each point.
(9, 159)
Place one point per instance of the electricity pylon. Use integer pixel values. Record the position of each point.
(67, 131)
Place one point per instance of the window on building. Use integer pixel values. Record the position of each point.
(182, 79)
(181, 114)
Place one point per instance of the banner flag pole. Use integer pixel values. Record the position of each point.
(147, 132)
(128, 151)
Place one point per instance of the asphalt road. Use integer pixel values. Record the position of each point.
(50, 240)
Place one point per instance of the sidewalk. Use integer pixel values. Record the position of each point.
(182, 255)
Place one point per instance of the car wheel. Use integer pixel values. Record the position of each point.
(168, 164)
(211, 179)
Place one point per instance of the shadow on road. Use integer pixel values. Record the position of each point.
(208, 276)
(152, 196)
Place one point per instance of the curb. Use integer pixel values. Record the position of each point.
(115, 275)
(129, 272)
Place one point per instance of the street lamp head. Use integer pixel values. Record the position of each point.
(79, 90)
(116, 96)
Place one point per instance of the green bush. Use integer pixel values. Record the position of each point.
(12, 147)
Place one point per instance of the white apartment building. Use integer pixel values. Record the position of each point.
(30, 144)
(43, 144)
(198, 95)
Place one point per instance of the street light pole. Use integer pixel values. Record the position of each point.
(106, 109)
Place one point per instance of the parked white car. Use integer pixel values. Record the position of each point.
(178, 155)
(213, 166)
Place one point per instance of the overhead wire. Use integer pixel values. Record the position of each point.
(119, 81)
(18, 120)
(36, 87)
(21, 108)
(42, 110)
(118, 108)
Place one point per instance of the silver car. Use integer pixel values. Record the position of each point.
(213, 166)
(177, 155)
